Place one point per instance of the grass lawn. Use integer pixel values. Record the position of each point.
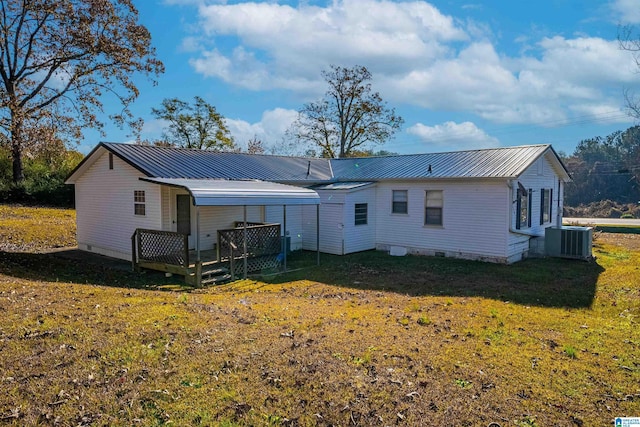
(366, 339)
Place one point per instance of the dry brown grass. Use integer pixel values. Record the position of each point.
(28, 229)
(414, 342)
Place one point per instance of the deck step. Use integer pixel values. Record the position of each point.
(214, 271)
(215, 276)
(216, 279)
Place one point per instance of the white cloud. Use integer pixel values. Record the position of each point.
(295, 43)
(152, 129)
(565, 74)
(462, 136)
(627, 11)
(214, 64)
(599, 113)
(417, 55)
(584, 60)
(270, 129)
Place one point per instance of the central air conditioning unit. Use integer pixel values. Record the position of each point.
(568, 242)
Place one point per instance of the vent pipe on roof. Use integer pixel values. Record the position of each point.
(308, 168)
(429, 169)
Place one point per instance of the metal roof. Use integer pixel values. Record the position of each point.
(219, 192)
(168, 162)
(507, 162)
(341, 185)
(163, 162)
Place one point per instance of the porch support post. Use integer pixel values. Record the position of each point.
(198, 271)
(197, 233)
(318, 234)
(284, 232)
(244, 241)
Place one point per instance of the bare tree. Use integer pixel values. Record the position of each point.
(255, 146)
(57, 59)
(196, 125)
(349, 118)
(629, 40)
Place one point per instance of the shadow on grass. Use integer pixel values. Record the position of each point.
(72, 265)
(548, 282)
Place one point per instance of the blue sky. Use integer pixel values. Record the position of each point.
(462, 74)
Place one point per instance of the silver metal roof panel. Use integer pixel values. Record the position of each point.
(507, 162)
(162, 162)
(341, 185)
(168, 162)
(220, 192)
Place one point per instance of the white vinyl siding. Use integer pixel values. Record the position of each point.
(480, 231)
(275, 214)
(331, 228)
(166, 208)
(338, 233)
(214, 218)
(105, 207)
(540, 175)
(361, 237)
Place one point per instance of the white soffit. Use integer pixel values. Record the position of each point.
(216, 192)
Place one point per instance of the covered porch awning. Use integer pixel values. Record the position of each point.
(219, 192)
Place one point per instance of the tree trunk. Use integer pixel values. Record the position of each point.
(16, 149)
(16, 154)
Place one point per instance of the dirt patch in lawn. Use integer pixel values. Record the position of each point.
(629, 241)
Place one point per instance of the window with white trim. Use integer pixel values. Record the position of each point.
(433, 207)
(361, 214)
(546, 195)
(399, 201)
(139, 205)
(523, 208)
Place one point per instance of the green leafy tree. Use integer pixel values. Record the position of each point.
(197, 125)
(349, 118)
(58, 59)
(605, 168)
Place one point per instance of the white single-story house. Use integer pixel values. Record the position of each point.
(479, 204)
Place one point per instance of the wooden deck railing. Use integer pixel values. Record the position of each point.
(164, 247)
(263, 246)
(169, 251)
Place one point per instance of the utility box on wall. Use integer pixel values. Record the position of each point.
(568, 242)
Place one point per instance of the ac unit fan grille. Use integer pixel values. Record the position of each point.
(571, 242)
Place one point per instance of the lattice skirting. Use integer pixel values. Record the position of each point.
(254, 264)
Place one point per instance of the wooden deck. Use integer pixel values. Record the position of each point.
(168, 251)
(207, 257)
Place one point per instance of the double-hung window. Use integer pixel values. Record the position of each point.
(139, 206)
(361, 214)
(546, 196)
(523, 207)
(433, 207)
(399, 201)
